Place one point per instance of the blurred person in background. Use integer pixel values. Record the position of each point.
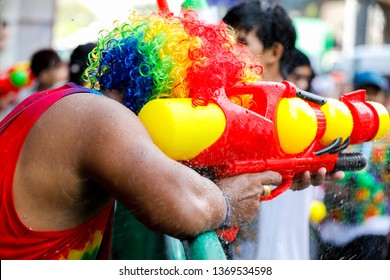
(357, 226)
(300, 71)
(268, 31)
(78, 62)
(281, 230)
(49, 71)
(375, 85)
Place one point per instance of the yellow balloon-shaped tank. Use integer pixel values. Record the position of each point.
(339, 121)
(384, 120)
(181, 130)
(296, 125)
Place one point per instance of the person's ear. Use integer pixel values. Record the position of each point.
(277, 50)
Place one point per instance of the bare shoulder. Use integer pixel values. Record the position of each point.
(88, 115)
(96, 127)
(80, 145)
(87, 106)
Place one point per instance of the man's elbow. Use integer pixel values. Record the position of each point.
(192, 222)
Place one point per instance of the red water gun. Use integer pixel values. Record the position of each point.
(15, 78)
(284, 129)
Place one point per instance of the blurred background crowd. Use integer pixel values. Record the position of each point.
(338, 35)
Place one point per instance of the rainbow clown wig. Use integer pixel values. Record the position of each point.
(163, 55)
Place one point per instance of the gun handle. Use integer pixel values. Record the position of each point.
(284, 186)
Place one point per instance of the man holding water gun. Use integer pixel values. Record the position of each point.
(68, 153)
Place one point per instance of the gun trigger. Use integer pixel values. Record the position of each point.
(330, 148)
(341, 147)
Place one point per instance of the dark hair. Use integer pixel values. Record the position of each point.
(271, 22)
(298, 58)
(43, 60)
(78, 62)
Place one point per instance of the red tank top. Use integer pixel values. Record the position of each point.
(18, 241)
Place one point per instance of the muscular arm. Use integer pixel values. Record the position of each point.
(87, 149)
(162, 193)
